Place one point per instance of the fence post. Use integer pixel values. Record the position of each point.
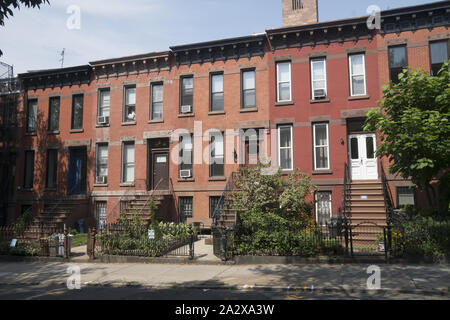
(66, 243)
(191, 243)
(224, 243)
(91, 243)
(346, 237)
(389, 240)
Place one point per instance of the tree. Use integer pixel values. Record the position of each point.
(413, 122)
(7, 6)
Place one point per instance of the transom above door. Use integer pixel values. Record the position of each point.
(362, 158)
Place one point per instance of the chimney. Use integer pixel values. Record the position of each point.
(298, 12)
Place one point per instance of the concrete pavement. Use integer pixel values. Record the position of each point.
(413, 279)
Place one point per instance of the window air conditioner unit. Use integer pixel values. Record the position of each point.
(185, 173)
(103, 120)
(320, 94)
(186, 109)
(101, 179)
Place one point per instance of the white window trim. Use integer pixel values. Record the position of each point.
(101, 107)
(123, 162)
(97, 160)
(324, 79)
(321, 146)
(291, 147)
(279, 82)
(317, 202)
(355, 75)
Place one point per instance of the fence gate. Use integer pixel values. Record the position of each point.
(369, 239)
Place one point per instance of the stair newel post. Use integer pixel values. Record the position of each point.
(224, 242)
(389, 240)
(191, 242)
(346, 235)
(66, 243)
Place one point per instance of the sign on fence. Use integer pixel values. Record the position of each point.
(151, 234)
(13, 243)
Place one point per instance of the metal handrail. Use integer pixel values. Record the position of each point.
(346, 187)
(172, 191)
(150, 195)
(388, 202)
(220, 204)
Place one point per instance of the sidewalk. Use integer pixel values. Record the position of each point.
(420, 279)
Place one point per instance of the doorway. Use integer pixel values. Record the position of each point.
(77, 171)
(363, 161)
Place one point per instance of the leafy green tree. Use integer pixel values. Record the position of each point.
(413, 122)
(7, 6)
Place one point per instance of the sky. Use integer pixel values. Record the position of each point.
(32, 39)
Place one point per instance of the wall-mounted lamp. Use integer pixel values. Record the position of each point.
(342, 141)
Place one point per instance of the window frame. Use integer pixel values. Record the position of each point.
(243, 90)
(152, 108)
(211, 199)
(100, 205)
(352, 94)
(125, 165)
(211, 93)
(321, 146)
(212, 158)
(35, 103)
(126, 106)
(291, 127)
(73, 111)
(429, 51)
(311, 63)
(55, 168)
(397, 189)
(390, 63)
(316, 202)
(98, 161)
(51, 112)
(100, 106)
(181, 205)
(182, 78)
(181, 164)
(278, 63)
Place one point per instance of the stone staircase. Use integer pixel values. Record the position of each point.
(365, 204)
(57, 212)
(140, 204)
(228, 216)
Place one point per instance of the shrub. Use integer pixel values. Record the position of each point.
(21, 249)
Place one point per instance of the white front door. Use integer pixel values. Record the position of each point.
(363, 161)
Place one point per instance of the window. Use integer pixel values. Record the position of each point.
(103, 105)
(157, 101)
(29, 170)
(321, 147)
(187, 93)
(217, 94)
(100, 214)
(319, 78)
(405, 196)
(285, 150)
(77, 112)
(357, 74)
(128, 162)
(186, 154)
(102, 160)
(249, 89)
(297, 4)
(186, 208)
(52, 165)
(284, 81)
(31, 116)
(129, 112)
(53, 124)
(398, 60)
(26, 208)
(323, 208)
(438, 55)
(215, 203)
(217, 155)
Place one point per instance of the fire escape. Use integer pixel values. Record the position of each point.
(9, 97)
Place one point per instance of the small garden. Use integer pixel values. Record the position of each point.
(131, 237)
(276, 216)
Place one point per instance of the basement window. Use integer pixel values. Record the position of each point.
(405, 196)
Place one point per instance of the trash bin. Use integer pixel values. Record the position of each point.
(53, 243)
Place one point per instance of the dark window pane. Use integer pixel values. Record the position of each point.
(77, 112)
(52, 165)
(29, 170)
(217, 102)
(186, 210)
(217, 94)
(249, 98)
(439, 55)
(397, 57)
(187, 91)
(32, 116)
(354, 148)
(54, 114)
(370, 148)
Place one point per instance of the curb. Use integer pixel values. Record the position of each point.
(287, 290)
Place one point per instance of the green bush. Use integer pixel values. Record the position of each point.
(21, 249)
(424, 237)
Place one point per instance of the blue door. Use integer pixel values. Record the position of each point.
(77, 171)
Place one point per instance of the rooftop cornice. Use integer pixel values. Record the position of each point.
(135, 58)
(55, 72)
(220, 50)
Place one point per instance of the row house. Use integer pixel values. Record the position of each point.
(99, 139)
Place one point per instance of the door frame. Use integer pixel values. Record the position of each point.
(349, 153)
(83, 187)
(153, 153)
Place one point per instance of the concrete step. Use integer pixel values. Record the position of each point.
(364, 203)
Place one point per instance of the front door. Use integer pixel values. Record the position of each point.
(363, 161)
(161, 171)
(77, 171)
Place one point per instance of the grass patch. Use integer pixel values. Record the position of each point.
(79, 239)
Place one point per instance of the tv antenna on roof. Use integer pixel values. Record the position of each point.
(62, 53)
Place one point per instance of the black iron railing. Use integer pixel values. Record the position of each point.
(388, 202)
(220, 206)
